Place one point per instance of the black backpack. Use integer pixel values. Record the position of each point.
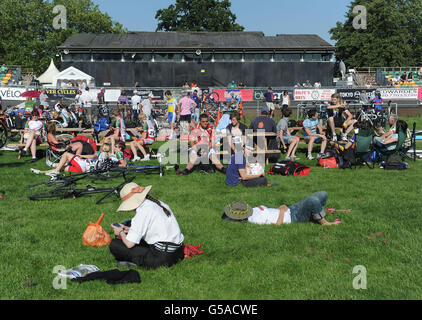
(346, 158)
(289, 168)
(394, 162)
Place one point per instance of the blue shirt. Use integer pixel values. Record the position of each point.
(268, 96)
(237, 162)
(196, 99)
(311, 124)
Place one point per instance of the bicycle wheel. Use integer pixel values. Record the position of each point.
(3, 135)
(116, 190)
(52, 194)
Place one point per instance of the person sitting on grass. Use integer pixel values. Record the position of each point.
(118, 130)
(310, 209)
(33, 133)
(153, 238)
(202, 147)
(240, 170)
(286, 137)
(313, 133)
(77, 147)
(147, 138)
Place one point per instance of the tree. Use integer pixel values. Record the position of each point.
(198, 15)
(29, 38)
(393, 36)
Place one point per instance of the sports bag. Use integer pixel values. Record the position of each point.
(101, 125)
(328, 162)
(289, 168)
(394, 162)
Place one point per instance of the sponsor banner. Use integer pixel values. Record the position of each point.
(278, 94)
(12, 94)
(54, 94)
(313, 94)
(420, 94)
(158, 94)
(354, 94)
(224, 95)
(400, 94)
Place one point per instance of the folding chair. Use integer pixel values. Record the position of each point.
(364, 148)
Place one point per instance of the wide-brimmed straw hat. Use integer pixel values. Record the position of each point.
(132, 196)
(238, 210)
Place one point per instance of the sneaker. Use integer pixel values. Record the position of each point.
(146, 158)
(36, 171)
(185, 172)
(136, 159)
(122, 264)
(310, 157)
(34, 160)
(334, 138)
(288, 158)
(294, 158)
(344, 137)
(23, 153)
(320, 155)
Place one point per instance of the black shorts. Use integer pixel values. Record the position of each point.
(338, 121)
(186, 117)
(87, 148)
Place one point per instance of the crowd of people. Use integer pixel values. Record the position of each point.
(153, 238)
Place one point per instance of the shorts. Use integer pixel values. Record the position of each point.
(317, 140)
(270, 106)
(145, 141)
(186, 117)
(77, 165)
(195, 115)
(172, 117)
(338, 121)
(287, 138)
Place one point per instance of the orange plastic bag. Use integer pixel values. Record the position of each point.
(95, 235)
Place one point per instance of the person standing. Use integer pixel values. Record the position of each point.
(285, 100)
(185, 107)
(153, 239)
(86, 100)
(43, 99)
(197, 110)
(171, 112)
(269, 97)
(135, 100)
(146, 106)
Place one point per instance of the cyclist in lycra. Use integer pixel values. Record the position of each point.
(171, 111)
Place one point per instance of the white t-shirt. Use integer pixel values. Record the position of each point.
(152, 224)
(135, 102)
(264, 215)
(146, 107)
(86, 99)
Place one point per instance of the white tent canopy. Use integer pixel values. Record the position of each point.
(49, 74)
(72, 74)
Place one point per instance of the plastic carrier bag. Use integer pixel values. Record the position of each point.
(95, 235)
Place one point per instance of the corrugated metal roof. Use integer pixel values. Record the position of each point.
(195, 40)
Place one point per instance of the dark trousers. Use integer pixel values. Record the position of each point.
(261, 181)
(144, 255)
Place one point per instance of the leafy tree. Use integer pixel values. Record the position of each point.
(393, 36)
(29, 38)
(198, 15)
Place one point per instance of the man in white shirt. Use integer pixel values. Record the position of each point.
(86, 100)
(135, 100)
(146, 106)
(309, 209)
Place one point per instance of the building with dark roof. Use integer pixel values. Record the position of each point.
(168, 59)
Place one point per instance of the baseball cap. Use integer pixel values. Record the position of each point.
(265, 110)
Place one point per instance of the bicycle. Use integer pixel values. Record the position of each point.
(71, 191)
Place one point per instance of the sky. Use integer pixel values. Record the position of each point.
(272, 17)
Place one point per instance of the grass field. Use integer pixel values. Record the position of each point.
(240, 261)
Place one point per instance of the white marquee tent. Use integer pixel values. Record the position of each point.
(72, 74)
(49, 74)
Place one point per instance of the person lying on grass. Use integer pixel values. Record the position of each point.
(153, 239)
(309, 209)
(84, 163)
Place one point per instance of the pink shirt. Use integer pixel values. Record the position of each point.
(185, 105)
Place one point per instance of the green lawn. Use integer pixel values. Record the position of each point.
(240, 261)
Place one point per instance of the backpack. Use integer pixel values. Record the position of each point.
(273, 145)
(394, 162)
(330, 162)
(289, 168)
(101, 125)
(346, 158)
